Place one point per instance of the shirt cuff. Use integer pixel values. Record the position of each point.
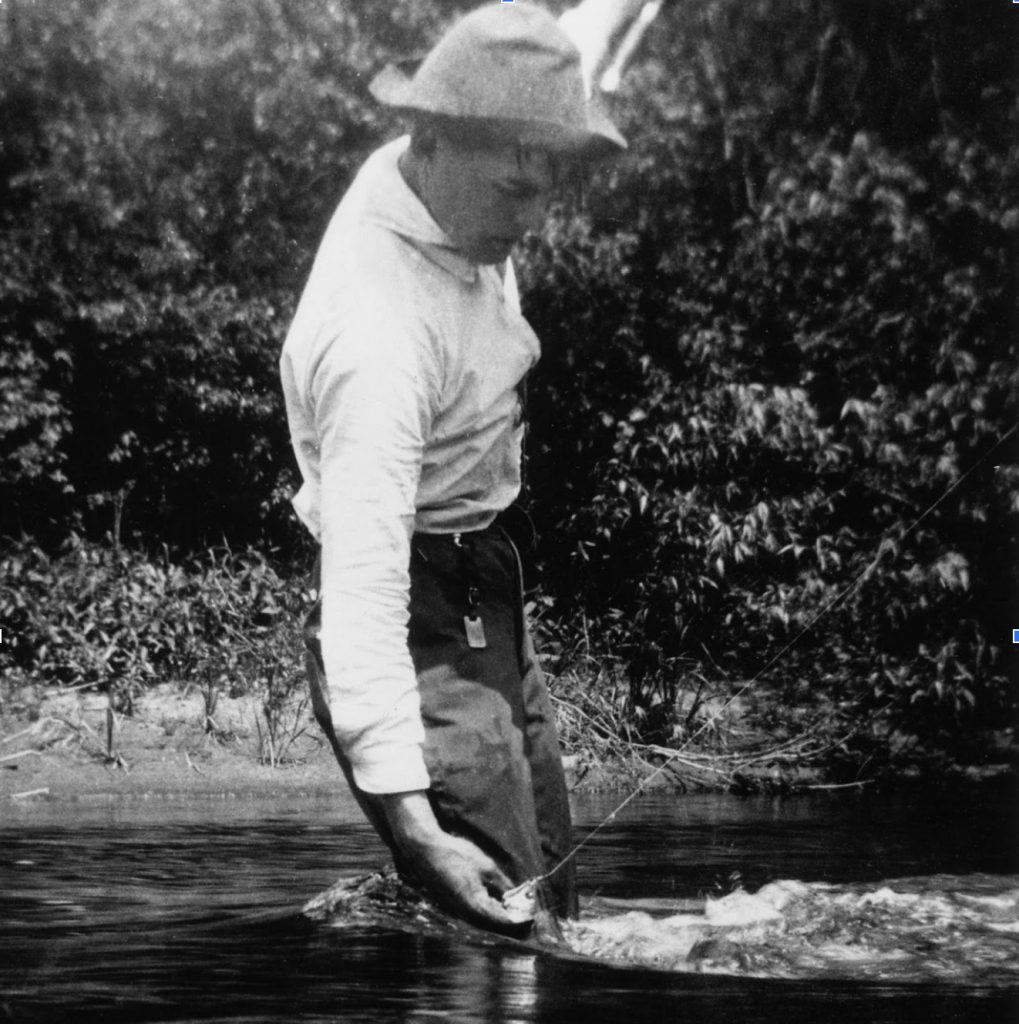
(400, 770)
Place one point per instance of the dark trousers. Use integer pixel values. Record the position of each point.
(491, 747)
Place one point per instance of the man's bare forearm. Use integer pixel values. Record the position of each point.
(452, 868)
(412, 819)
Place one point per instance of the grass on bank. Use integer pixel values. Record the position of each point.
(115, 621)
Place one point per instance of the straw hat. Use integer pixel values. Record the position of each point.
(509, 66)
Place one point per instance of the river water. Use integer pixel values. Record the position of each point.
(166, 911)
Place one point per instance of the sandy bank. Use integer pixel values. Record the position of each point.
(57, 745)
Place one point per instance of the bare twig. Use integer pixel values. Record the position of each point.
(16, 735)
(690, 762)
(20, 753)
(841, 785)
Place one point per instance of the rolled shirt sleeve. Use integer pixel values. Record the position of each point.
(373, 395)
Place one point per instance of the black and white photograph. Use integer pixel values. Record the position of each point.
(509, 511)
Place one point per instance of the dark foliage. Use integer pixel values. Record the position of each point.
(117, 620)
(777, 332)
(777, 336)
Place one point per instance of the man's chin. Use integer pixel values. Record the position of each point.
(496, 251)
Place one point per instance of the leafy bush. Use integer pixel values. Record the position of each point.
(776, 334)
(770, 353)
(94, 616)
(166, 174)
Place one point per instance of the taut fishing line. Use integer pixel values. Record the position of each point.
(854, 585)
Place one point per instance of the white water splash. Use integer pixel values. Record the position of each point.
(959, 929)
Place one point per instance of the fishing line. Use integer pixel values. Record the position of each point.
(854, 585)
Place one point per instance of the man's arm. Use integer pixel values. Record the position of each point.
(371, 414)
(372, 411)
(453, 869)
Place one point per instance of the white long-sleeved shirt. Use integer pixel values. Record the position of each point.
(400, 373)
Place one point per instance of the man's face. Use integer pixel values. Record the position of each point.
(487, 199)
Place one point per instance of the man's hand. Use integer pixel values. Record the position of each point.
(453, 869)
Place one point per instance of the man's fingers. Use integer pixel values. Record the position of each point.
(492, 909)
(482, 883)
(495, 880)
(457, 871)
(498, 917)
(490, 874)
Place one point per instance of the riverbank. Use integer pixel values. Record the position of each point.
(69, 745)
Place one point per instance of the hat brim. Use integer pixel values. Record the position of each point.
(394, 87)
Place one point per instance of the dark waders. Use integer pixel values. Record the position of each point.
(491, 747)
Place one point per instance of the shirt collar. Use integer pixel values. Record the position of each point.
(392, 204)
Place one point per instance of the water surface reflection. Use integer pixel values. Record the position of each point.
(167, 912)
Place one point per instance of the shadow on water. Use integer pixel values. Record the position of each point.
(288, 970)
(188, 914)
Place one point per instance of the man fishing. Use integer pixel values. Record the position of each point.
(402, 374)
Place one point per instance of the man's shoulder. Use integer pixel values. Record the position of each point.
(388, 231)
(377, 239)
(376, 274)
(366, 271)
(372, 292)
